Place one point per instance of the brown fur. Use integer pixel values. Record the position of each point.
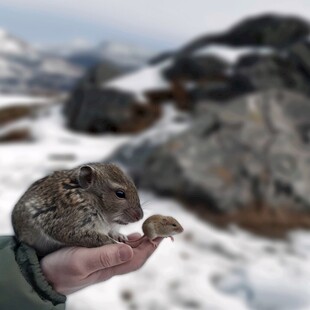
(158, 226)
(77, 207)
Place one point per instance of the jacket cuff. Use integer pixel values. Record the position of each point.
(28, 261)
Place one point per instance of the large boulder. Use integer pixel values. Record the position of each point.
(98, 110)
(249, 154)
(267, 30)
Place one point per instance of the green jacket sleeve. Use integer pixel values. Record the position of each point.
(22, 284)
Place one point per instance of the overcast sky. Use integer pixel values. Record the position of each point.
(160, 24)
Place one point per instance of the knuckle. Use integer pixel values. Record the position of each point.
(106, 259)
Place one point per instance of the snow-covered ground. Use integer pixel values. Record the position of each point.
(232, 54)
(205, 268)
(21, 100)
(141, 81)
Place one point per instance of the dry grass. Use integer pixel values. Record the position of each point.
(263, 221)
(13, 113)
(17, 135)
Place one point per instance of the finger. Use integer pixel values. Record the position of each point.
(134, 236)
(141, 255)
(94, 259)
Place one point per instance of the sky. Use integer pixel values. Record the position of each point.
(156, 24)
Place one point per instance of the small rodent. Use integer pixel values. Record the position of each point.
(159, 226)
(84, 207)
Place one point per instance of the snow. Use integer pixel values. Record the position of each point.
(14, 46)
(77, 45)
(232, 54)
(21, 64)
(59, 66)
(16, 100)
(140, 81)
(205, 268)
(124, 54)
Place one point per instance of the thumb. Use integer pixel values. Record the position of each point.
(106, 256)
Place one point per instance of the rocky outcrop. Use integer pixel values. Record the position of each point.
(260, 53)
(271, 51)
(267, 30)
(98, 110)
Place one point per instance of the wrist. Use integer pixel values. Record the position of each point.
(31, 269)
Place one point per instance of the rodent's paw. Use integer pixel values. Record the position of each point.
(118, 237)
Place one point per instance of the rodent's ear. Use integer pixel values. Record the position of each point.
(85, 176)
(164, 221)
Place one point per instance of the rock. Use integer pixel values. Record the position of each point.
(300, 54)
(101, 73)
(133, 155)
(197, 68)
(295, 109)
(272, 71)
(267, 30)
(255, 72)
(249, 154)
(222, 90)
(197, 166)
(96, 110)
(277, 56)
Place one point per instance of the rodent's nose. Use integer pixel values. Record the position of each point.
(138, 214)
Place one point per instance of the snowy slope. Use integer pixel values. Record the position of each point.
(12, 45)
(205, 268)
(120, 54)
(24, 68)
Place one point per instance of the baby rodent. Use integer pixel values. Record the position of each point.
(84, 207)
(159, 226)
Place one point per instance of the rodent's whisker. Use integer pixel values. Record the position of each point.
(145, 203)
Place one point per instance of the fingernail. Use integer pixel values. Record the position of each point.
(124, 254)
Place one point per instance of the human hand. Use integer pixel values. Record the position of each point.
(71, 269)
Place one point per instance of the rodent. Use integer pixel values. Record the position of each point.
(84, 206)
(158, 226)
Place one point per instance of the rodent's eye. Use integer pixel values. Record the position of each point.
(174, 225)
(120, 194)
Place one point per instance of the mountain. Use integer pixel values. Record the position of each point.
(24, 69)
(121, 54)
